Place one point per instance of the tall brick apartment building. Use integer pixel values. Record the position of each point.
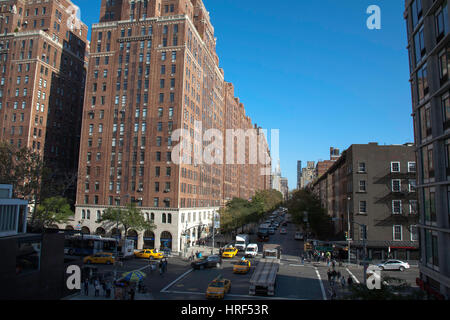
(153, 69)
(42, 70)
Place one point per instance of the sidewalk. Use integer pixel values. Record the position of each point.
(81, 296)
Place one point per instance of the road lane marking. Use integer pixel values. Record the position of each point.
(176, 280)
(297, 265)
(321, 284)
(235, 295)
(353, 276)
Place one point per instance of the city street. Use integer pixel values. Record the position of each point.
(295, 280)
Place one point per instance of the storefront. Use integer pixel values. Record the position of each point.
(149, 240)
(166, 240)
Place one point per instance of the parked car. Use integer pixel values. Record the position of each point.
(100, 257)
(394, 265)
(283, 231)
(284, 224)
(271, 230)
(207, 262)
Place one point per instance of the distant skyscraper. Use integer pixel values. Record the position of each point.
(308, 174)
(276, 178)
(299, 173)
(284, 187)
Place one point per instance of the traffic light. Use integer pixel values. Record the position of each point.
(346, 234)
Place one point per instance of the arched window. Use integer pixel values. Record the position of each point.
(152, 216)
(182, 217)
(99, 216)
(88, 214)
(147, 216)
(83, 214)
(163, 218)
(189, 217)
(169, 218)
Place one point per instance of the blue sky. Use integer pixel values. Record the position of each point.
(313, 70)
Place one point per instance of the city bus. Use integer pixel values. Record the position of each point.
(85, 245)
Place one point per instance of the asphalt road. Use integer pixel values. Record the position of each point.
(294, 280)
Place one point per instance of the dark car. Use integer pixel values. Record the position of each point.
(284, 224)
(207, 262)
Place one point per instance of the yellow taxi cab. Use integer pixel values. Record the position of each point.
(100, 257)
(218, 288)
(149, 253)
(229, 253)
(243, 266)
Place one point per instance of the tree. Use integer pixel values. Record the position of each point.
(239, 212)
(129, 218)
(305, 201)
(52, 210)
(24, 169)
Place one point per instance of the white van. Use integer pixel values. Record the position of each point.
(241, 241)
(252, 250)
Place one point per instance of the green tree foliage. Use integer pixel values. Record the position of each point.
(52, 210)
(305, 201)
(128, 218)
(23, 168)
(239, 212)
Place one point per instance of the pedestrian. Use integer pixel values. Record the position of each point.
(108, 289)
(350, 281)
(334, 263)
(332, 293)
(86, 287)
(132, 292)
(97, 287)
(343, 282)
(329, 275)
(303, 259)
(338, 274)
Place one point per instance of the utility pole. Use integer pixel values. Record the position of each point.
(348, 223)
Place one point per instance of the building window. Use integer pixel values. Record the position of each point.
(419, 45)
(362, 186)
(429, 204)
(412, 185)
(397, 232)
(412, 206)
(444, 61)
(28, 257)
(396, 206)
(396, 185)
(361, 167)
(422, 82)
(395, 166)
(445, 105)
(363, 207)
(442, 21)
(412, 166)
